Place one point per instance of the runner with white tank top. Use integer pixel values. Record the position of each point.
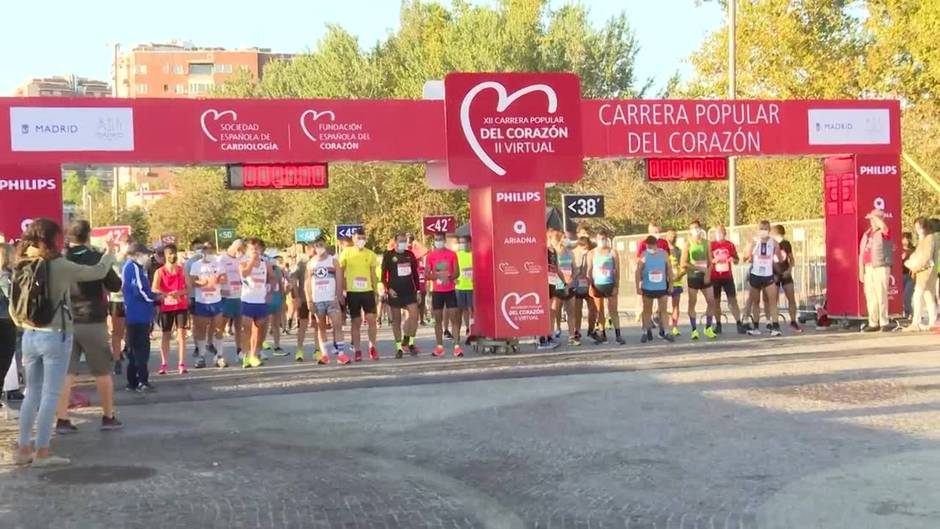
(760, 254)
(256, 278)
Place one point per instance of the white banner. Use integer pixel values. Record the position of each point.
(46, 129)
(841, 126)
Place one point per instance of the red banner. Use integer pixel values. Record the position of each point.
(513, 128)
(691, 128)
(28, 192)
(510, 260)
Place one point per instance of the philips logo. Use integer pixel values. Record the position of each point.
(528, 196)
(881, 170)
(27, 185)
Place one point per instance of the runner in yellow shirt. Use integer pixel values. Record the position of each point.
(358, 265)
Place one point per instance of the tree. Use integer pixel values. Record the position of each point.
(72, 189)
(198, 205)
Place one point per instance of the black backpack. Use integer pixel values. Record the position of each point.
(30, 296)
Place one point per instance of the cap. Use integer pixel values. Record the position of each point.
(876, 213)
(138, 248)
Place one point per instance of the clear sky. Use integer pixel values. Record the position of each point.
(59, 37)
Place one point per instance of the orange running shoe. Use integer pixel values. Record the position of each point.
(358, 356)
(438, 351)
(342, 358)
(373, 353)
(458, 352)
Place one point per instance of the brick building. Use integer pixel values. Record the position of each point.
(63, 86)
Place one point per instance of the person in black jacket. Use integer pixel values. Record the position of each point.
(90, 314)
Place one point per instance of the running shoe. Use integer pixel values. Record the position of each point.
(695, 335)
(220, 362)
(458, 352)
(413, 349)
(675, 331)
(753, 332)
(182, 369)
(266, 345)
(741, 329)
(373, 353)
(667, 337)
(358, 356)
(399, 353)
(774, 333)
(111, 423)
(64, 427)
(620, 340)
(299, 355)
(558, 334)
(600, 338)
(796, 326)
(710, 333)
(163, 368)
(240, 356)
(342, 358)
(574, 342)
(644, 338)
(200, 362)
(254, 361)
(438, 351)
(212, 350)
(448, 335)
(279, 352)
(323, 360)
(146, 388)
(718, 327)
(544, 345)
(264, 355)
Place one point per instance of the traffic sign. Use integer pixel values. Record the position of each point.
(583, 206)
(307, 234)
(224, 237)
(439, 224)
(167, 239)
(346, 231)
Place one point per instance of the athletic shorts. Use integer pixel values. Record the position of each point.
(725, 284)
(91, 339)
(760, 282)
(783, 280)
(174, 318)
(359, 302)
(403, 300)
(676, 291)
(439, 300)
(255, 311)
(232, 308)
(116, 309)
(603, 291)
(696, 281)
(563, 293)
(303, 312)
(654, 294)
(325, 308)
(277, 303)
(192, 305)
(207, 310)
(464, 299)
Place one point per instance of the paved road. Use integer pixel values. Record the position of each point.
(814, 431)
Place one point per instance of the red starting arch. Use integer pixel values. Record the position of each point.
(503, 135)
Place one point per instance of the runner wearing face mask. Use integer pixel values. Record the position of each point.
(783, 272)
(207, 277)
(358, 264)
(698, 268)
(324, 285)
(232, 291)
(760, 254)
(564, 292)
(442, 273)
(654, 280)
(581, 287)
(170, 283)
(465, 285)
(603, 266)
(724, 254)
(400, 277)
(678, 274)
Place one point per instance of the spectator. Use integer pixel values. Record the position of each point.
(907, 248)
(923, 268)
(139, 312)
(874, 269)
(7, 328)
(47, 343)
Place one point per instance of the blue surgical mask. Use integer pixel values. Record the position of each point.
(439, 244)
(402, 246)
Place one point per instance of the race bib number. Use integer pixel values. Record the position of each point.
(604, 273)
(566, 270)
(467, 273)
(170, 300)
(762, 267)
(722, 266)
(656, 276)
(323, 290)
(360, 283)
(700, 264)
(583, 282)
(404, 269)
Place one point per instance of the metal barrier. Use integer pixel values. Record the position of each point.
(808, 238)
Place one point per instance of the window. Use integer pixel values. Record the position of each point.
(141, 88)
(166, 68)
(222, 68)
(180, 89)
(200, 69)
(166, 88)
(140, 69)
(200, 88)
(178, 69)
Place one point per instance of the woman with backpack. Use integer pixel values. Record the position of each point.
(7, 327)
(40, 305)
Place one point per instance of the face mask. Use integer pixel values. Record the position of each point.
(207, 257)
(602, 243)
(651, 251)
(763, 234)
(778, 238)
(439, 244)
(320, 250)
(360, 243)
(402, 246)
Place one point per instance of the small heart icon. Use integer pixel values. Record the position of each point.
(516, 300)
(502, 104)
(315, 115)
(215, 117)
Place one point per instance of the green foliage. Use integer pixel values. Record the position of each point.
(72, 189)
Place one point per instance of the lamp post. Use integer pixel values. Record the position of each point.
(732, 75)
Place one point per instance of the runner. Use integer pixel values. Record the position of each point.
(698, 268)
(381, 310)
(358, 265)
(442, 273)
(323, 288)
(298, 286)
(783, 273)
(603, 266)
(564, 288)
(651, 229)
(400, 279)
(343, 244)
(654, 279)
(422, 286)
(583, 289)
(139, 302)
(117, 317)
(678, 274)
(760, 254)
(276, 306)
(257, 283)
(195, 254)
(232, 292)
(724, 254)
(208, 277)
(169, 282)
(554, 278)
(465, 285)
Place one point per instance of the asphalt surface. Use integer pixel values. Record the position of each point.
(812, 431)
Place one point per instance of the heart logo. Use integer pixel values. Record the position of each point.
(215, 117)
(502, 104)
(315, 115)
(516, 300)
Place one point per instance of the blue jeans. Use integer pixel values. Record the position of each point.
(46, 361)
(908, 294)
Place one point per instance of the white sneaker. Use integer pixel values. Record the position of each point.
(51, 461)
(753, 332)
(240, 356)
(220, 362)
(775, 333)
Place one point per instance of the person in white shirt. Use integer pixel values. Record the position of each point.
(208, 277)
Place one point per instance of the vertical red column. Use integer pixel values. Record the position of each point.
(510, 263)
(878, 185)
(28, 192)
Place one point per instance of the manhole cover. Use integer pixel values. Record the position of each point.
(97, 474)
